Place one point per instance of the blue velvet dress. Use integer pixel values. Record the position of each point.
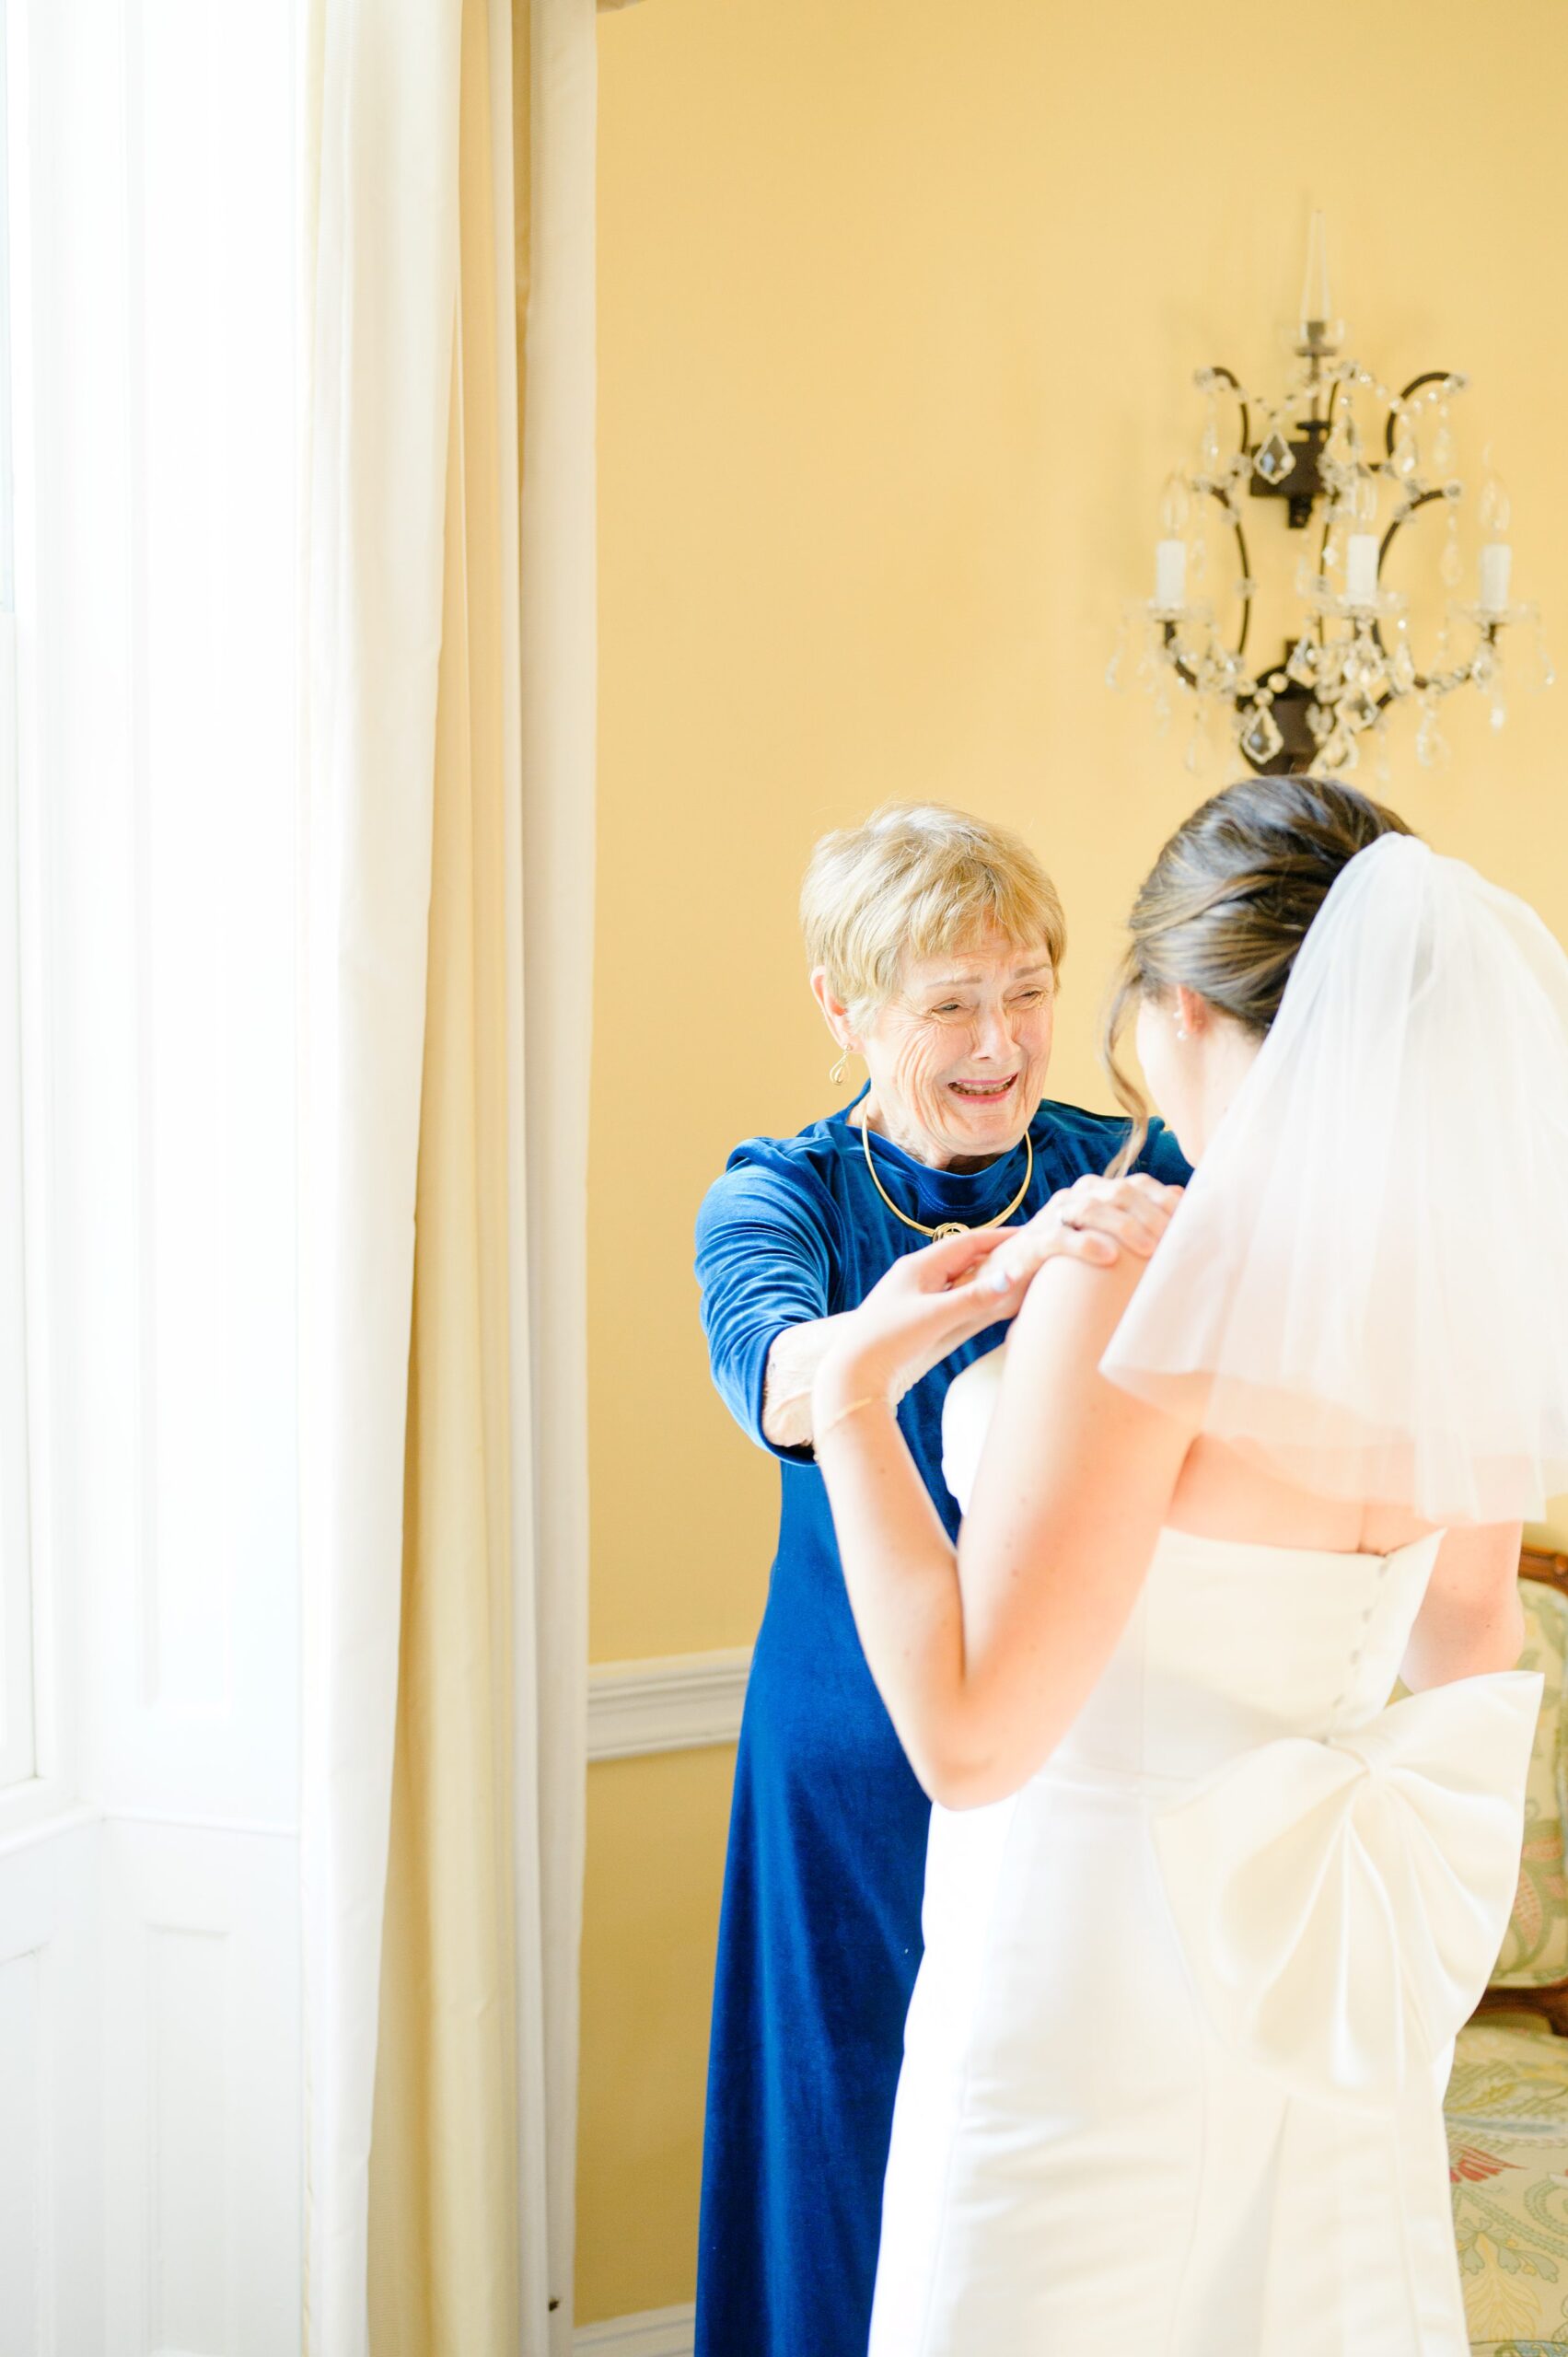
(819, 1934)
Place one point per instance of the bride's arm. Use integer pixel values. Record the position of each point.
(1471, 1619)
(982, 1675)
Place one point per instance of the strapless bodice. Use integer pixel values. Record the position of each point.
(1232, 1643)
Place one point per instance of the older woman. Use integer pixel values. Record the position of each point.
(936, 942)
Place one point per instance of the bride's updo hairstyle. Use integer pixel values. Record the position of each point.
(1227, 903)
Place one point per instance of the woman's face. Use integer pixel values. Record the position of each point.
(957, 1058)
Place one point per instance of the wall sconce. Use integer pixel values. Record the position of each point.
(1348, 663)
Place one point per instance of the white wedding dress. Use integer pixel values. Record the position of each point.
(1175, 2060)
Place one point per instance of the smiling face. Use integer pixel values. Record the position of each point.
(957, 1058)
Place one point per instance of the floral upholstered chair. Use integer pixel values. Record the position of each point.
(1507, 2103)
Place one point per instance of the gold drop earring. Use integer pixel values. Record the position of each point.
(836, 1072)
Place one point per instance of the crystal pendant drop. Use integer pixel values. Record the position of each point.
(1260, 739)
(1275, 459)
(1451, 563)
(1497, 712)
(1384, 767)
(1443, 445)
(1362, 662)
(1483, 664)
(1211, 456)
(1339, 753)
(1401, 669)
(1152, 664)
(1495, 508)
(1431, 745)
(1116, 669)
(1319, 723)
(1405, 458)
(1303, 663)
(1357, 710)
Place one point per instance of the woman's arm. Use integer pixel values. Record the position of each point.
(982, 1676)
(768, 1244)
(1470, 1618)
(793, 1361)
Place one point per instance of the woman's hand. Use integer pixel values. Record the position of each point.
(1092, 1220)
(929, 1302)
(923, 1307)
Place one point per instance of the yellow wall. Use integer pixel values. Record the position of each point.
(900, 307)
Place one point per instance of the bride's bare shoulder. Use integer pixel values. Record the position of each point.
(1079, 1301)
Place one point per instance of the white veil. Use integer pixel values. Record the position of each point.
(1365, 1285)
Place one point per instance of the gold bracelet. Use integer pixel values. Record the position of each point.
(872, 1399)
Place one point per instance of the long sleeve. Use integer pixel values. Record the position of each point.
(764, 1263)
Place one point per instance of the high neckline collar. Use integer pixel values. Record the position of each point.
(972, 1195)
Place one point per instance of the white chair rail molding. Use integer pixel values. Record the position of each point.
(669, 1703)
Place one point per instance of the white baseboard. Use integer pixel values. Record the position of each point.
(677, 1703)
(660, 2332)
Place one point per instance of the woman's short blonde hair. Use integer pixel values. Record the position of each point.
(914, 881)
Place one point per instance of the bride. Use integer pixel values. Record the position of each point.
(1204, 1909)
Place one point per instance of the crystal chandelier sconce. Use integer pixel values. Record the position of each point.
(1352, 481)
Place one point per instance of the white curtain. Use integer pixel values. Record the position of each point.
(556, 870)
(379, 225)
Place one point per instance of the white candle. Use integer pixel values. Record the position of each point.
(1360, 567)
(1496, 562)
(1170, 573)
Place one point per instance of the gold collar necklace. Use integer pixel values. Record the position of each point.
(949, 1227)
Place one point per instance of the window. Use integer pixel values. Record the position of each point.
(16, 1716)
